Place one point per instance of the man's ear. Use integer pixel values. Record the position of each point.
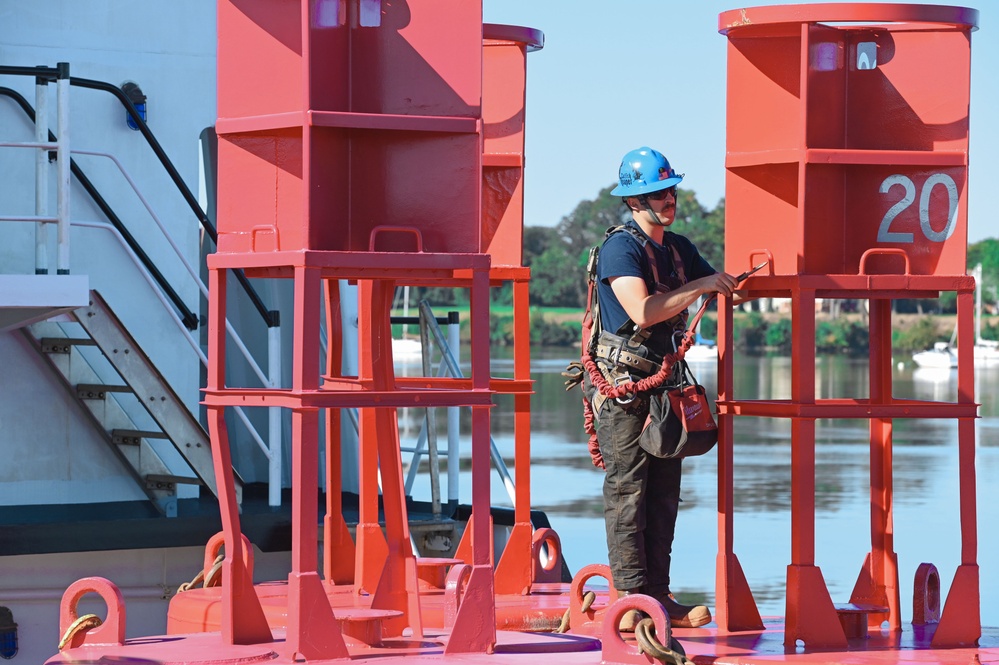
(632, 202)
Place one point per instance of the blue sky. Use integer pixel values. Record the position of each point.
(618, 75)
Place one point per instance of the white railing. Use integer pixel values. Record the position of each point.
(43, 146)
(271, 379)
(450, 364)
(104, 226)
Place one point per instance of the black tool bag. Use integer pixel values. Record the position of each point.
(680, 423)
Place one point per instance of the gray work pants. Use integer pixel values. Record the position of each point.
(641, 499)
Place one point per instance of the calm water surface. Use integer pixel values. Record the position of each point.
(568, 488)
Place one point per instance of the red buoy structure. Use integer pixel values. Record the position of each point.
(847, 171)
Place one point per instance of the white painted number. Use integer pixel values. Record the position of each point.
(884, 232)
(884, 235)
(924, 207)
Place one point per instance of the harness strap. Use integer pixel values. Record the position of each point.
(621, 384)
(619, 356)
(592, 312)
(680, 320)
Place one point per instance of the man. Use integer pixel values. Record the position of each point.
(646, 301)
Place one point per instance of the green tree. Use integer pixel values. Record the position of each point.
(749, 332)
(556, 279)
(704, 228)
(986, 252)
(538, 240)
(778, 335)
(920, 336)
(585, 226)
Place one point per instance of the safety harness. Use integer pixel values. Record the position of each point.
(621, 367)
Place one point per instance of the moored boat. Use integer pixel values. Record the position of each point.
(941, 356)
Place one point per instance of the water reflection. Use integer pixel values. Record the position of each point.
(566, 485)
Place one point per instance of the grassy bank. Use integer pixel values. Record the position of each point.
(754, 331)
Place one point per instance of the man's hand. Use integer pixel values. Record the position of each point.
(720, 282)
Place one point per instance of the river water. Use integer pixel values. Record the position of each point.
(568, 488)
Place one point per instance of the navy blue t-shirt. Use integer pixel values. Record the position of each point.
(623, 256)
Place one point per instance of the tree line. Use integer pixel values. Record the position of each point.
(557, 255)
(557, 258)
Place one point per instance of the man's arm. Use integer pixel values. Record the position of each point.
(647, 310)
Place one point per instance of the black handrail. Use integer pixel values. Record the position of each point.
(270, 317)
(41, 72)
(190, 318)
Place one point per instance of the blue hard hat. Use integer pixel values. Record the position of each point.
(644, 171)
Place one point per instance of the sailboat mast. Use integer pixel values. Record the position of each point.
(977, 272)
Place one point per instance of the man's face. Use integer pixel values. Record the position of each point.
(663, 203)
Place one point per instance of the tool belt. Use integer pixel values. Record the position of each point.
(625, 355)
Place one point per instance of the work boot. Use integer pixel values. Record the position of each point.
(630, 618)
(684, 616)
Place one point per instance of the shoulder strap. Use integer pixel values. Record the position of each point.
(677, 260)
(591, 317)
(651, 255)
(644, 243)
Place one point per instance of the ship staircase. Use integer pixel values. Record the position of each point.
(127, 399)
(119, 390)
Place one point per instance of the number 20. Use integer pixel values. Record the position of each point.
(886, 235)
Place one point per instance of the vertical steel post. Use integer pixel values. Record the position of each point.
(810, 615)
(63, 159)
(309, 613)
(242, 620)
(515, 570)
(453, 422)
(735, 607)
(274, 417)
(41, 175)
(878, 584)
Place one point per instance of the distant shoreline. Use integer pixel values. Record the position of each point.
(755, 332)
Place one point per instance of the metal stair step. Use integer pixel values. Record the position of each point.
(169, 412)
(132, 437)
(166, 482)
(140, 451)
(63, 344)
(98, 390)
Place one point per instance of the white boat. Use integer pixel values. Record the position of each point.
(942, 355)
(406, 348)
(987, 352)
(702, 352)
